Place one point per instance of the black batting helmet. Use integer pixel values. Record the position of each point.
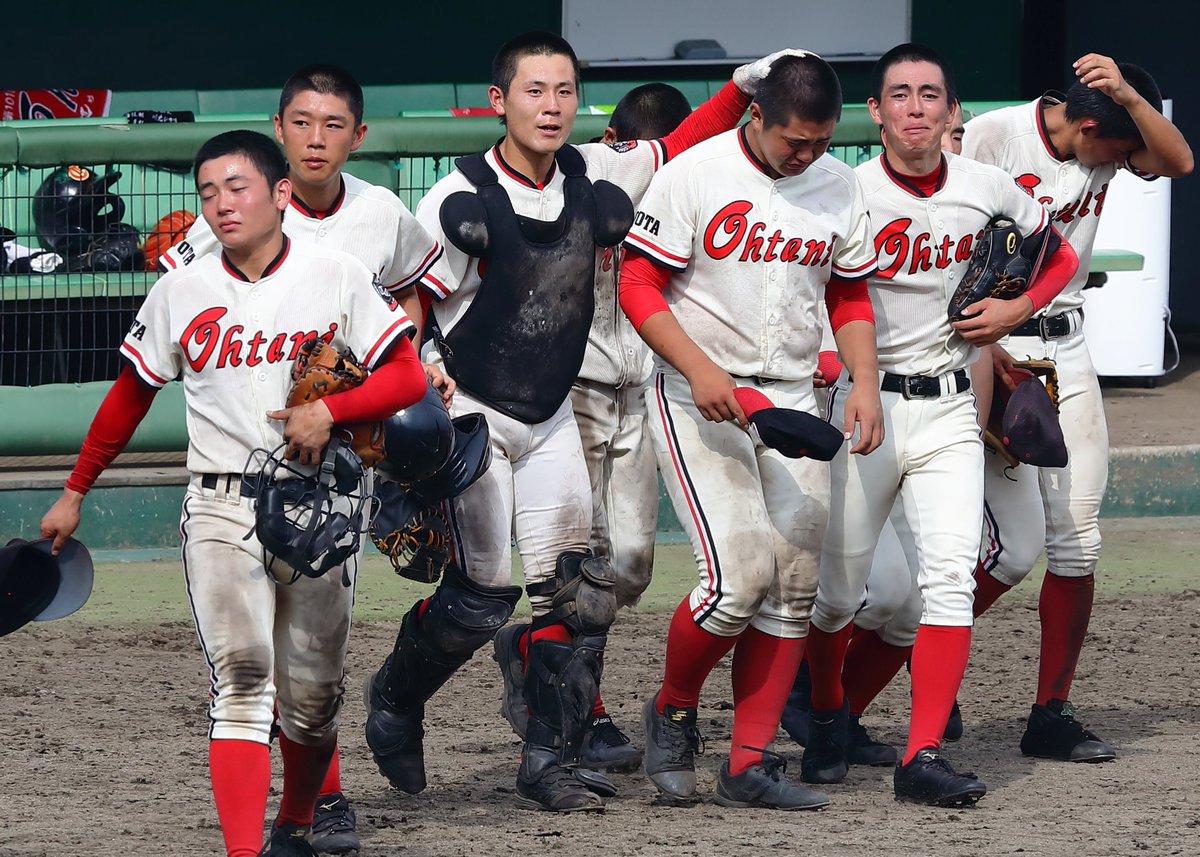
(417, 440)
(72, 206)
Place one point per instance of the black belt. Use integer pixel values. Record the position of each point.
(922, 386)
(1046, 327)
(246, 487)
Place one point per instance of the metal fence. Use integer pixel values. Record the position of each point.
(66, 305)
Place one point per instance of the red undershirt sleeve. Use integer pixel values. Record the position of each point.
(1055, 273)
(719, 113)
(394, 385)
(847, 301)
(641, 287)
(126, 405)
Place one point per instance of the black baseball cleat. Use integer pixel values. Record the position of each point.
(287, 840)
(824, 759)
(333, 826)
(1054, 733)
(929, 779)
(862, 749)
(542, 783)
(954, 724)
(607, 748)
(795, 713)
(764, 785)
(396, 740)
(507, 653)
(672, 742)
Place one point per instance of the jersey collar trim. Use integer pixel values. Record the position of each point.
(519, 178)
(273, 266)
(304, 208)
(907, 183)
(1050, 99)
(750, 156)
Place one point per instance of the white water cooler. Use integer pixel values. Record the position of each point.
(1125, 320)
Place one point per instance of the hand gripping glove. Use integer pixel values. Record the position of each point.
(321, 370)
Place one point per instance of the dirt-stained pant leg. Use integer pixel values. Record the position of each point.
(535, 490)
(620, 459)
(1014, 522)
(711, 475)
(796, 492)
(312, 631)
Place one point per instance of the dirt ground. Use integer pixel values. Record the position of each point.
(1164, 414)
(103, 753)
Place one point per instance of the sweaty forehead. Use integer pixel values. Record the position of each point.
(311, 103)
(225, 169)
(554, 70)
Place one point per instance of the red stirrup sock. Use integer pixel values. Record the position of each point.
(763, 671)
(241, 778)
(826, 655)
(939, 660)
(692, 652)
(304, 769)
(1065, 606)
(333, 777)
(987, 590)
(870, 665)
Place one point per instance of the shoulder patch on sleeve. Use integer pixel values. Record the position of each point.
(623, 146)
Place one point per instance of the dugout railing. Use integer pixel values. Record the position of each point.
(59, 332)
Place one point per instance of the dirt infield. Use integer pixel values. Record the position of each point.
(104, 752)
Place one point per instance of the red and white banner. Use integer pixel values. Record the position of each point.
(54, 103)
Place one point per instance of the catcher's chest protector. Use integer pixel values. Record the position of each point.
(520, 344)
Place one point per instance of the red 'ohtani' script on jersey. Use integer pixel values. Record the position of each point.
(731, 230)
(205, 333)
(1090, 204)
(897, 249)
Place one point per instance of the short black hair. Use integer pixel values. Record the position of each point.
(257, 148)
(912, 52)
(804, 87)
(535, 44)
(1113, 120)
(649, 112)
(325, 80)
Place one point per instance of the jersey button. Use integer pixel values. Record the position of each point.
(940, 225)
(933, 206)
(774, 276)
(321, 232)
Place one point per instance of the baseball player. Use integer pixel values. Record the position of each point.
(885, 626)
(609, 404)
(1063, 151)
(319, 124)
(231, 324)
(927, 210)
(734, 247)
(521, 224)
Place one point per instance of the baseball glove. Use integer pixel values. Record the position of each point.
(1022, 371)
(415, 538)
(996, 270)
(321, 370)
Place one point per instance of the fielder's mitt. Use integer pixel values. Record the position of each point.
(996, 270)
(1003, 416)
(415, 538)
(319, 371)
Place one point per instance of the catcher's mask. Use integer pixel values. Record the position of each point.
(309, 522)
(417, 440)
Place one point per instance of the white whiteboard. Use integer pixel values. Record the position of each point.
(640, 31)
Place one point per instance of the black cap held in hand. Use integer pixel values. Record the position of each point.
(793, 433)
(1031, 429)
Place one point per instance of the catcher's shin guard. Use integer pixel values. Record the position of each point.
(563, 680)
(433, 642)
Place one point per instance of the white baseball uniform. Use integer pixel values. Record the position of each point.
(932, 455)
(609, 401)
(537, 489)
(1064, 503)
(751, 257)
(367, 221)
(234, 342)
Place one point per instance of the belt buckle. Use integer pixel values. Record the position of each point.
(906, 387)
(1044, 327)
